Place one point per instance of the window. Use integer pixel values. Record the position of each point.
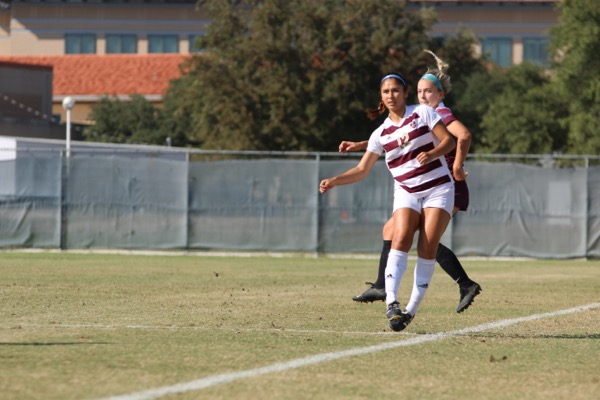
(193, 47)
(121, 43)
(163, 44)
(80, 43)
(498, 50)
(535, 50)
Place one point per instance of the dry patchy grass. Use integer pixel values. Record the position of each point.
(78, 326)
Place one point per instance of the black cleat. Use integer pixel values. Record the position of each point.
(370, 295)
(393, 310)
(467, 295)
(398, 320)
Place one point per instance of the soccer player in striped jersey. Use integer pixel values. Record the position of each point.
(415, 141)
(431, 90)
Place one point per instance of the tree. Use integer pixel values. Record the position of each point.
(134, 122)
(469, 74)
(521, 117)
(296, 74)
(576, 40)
(457, 51)
(175, 121)
(285, 75)
(474, 100)
(117, 121)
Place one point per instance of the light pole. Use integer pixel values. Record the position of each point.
(68, 103)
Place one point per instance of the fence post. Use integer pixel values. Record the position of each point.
(587, 208)
(317, 207)
(187, 200)
(62, 231)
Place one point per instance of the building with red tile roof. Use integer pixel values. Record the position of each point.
(89, 78)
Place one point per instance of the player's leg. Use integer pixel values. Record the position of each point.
(376, 291)
(433, 225)
(435, 216)
(448, 260)
(452, 266)
(406, 221)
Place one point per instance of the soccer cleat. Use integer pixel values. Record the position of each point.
(398, 320)
(467, 295)
(370, 295)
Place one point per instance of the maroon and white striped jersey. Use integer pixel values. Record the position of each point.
(403, 142)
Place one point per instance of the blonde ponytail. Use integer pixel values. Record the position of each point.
(440, 72)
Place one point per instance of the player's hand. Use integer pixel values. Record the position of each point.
(459, 173)
(347, 146)
(325, 185)
(424, 158)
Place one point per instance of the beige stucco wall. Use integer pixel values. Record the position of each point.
(40, 28)
(79, 113)
(515, 21)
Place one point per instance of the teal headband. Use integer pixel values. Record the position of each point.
(434, 79)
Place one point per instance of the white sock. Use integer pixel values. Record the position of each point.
(394, 270)
(423, 274)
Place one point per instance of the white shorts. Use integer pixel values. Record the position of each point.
(437, 197)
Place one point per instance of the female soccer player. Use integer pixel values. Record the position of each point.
(414, 140)
(431, 90)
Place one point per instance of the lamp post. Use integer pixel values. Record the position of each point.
(68, 103)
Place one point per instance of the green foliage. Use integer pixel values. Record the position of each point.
(175, 117)
(117, 121)
(473, 101)
(576, 39)
(457, 51)
(299, 75)
(285, 75)
(296, 74)
(135, 122)
(468, 73)
(522, 109)
(521, 117)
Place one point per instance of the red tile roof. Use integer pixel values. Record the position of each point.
(114, 74)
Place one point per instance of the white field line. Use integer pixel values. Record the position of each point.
(324, 357)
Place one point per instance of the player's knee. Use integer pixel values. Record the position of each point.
(403, 243)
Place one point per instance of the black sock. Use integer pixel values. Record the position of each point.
(450, 264)
(385, 251)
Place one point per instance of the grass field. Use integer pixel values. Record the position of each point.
(92, 326)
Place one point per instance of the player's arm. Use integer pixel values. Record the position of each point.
(445, 146)
(353, 175)
(463, 144)
(347, 146)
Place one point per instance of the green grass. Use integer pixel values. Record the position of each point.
(87, 326)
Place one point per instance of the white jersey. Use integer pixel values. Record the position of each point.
(414, 134)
